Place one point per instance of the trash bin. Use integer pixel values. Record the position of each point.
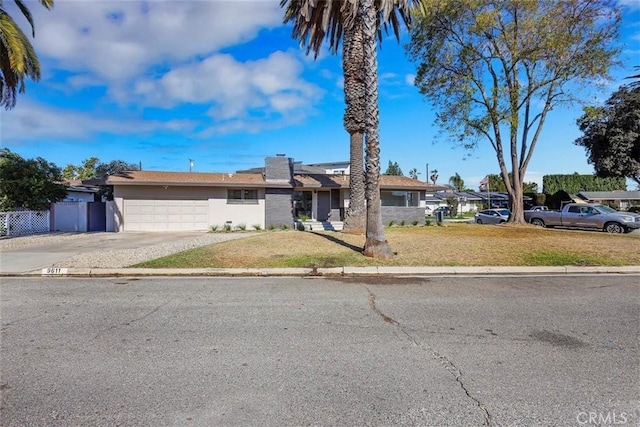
(439, 216)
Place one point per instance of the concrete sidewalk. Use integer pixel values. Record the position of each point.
(336, 271)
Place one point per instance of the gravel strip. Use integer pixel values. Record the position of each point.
(25, 241)
(116, 258)
(128, 257)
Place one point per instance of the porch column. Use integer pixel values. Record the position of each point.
(314, 205)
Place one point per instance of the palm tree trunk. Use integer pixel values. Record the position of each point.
(354, 91)
(375, 244)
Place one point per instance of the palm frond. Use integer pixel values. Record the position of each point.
(315, 21)
(18, 60)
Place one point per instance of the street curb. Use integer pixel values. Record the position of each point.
(327, 272)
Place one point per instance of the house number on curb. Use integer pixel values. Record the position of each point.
(54, 271)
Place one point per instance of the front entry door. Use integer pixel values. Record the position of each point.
(324, 205)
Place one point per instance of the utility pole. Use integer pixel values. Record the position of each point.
(426, 178)
(190, 164)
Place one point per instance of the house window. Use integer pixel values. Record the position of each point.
(400, 198)
(242, 196)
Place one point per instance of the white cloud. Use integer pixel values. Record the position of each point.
(116, 40)
(410, 79)
(29, 121)
(234, 89)
(631, 4)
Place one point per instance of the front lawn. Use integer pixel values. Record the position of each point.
(456, 244)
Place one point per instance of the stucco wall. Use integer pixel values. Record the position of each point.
(220, 211)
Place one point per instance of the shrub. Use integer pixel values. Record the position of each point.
(402, 223)
(213, 228)
(227, 228)
(284, 227)
(241, 227)
(257, 227)
(272, 227)
(427, 222)
(392, 223)
(414, 223)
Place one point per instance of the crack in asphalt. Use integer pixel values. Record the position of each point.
(137, 319)
(448, 365)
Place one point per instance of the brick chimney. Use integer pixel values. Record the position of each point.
(278, 169)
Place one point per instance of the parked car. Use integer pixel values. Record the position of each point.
(586, 215)
(634, 209)
(492, 216)
(444, 209)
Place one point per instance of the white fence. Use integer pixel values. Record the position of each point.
(24, 222)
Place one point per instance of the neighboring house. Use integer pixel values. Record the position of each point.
(467, 201)
(620, 199)
(498, 199)
(334, 168)
(79, 192)
(275, 195)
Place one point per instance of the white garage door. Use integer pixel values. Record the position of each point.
(166, 215)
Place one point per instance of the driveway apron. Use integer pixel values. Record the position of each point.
(48, 250)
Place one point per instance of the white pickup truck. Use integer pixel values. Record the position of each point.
(586, 215)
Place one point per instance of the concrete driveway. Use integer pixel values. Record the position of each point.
(28, 253)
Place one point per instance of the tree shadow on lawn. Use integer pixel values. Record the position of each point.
(354, 248)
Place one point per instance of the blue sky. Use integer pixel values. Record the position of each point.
(223, 83)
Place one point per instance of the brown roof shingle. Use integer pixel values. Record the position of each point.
(186, 178)
(256, 180)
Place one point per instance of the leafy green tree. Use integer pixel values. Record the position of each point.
(18, 59)
(495, 69)
(69, 172)
(496, 183)
(612, 134)
(114, 167)
(575, 183)
(393, 169)
(28, 183)
(87, 170)
(92, 168)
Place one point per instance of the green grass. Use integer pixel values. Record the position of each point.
(554, 258)
(447, 245)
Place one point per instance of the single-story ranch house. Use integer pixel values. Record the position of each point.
(271, 197)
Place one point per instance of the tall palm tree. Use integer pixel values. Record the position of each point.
(375, 246)
(18, 59)
(317, 20)
(354, 91)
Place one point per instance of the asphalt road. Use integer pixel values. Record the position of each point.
(499, 351)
